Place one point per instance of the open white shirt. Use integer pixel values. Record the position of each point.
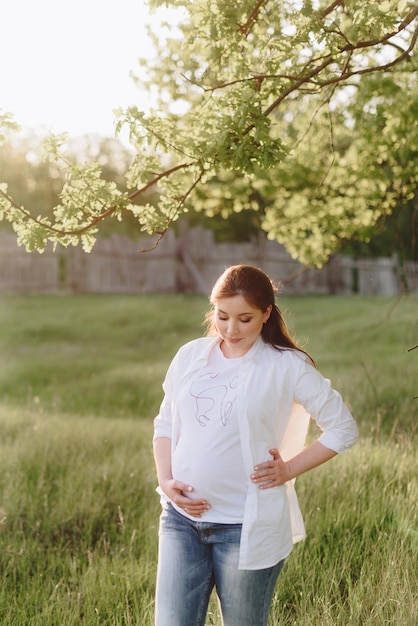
(277, 393)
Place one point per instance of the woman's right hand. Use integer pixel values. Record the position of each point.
(176, 490)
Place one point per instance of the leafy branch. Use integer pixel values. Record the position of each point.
(239, 77)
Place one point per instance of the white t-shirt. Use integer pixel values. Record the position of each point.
(208, 453)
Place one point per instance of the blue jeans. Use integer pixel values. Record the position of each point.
(194, 557)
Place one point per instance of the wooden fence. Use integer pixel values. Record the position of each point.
(189, 261)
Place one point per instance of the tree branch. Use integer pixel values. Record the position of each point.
(171, 219)
(245, 29)
(308, 78)
(98, 218)
(27, 214)
(376, 68)
(131, 197)
(157, 178)
(331, 7)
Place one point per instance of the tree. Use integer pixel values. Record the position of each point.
(260, 106)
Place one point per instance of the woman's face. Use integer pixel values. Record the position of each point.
(239, 324)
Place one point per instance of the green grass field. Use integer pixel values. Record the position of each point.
(80, 383)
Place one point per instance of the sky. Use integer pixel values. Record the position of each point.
(65, 64)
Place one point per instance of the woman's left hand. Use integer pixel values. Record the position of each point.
(271, 473)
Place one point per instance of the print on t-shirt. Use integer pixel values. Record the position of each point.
(214, 400)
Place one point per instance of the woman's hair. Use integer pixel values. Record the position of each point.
(257, 289)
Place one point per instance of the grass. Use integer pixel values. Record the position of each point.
(80, 382)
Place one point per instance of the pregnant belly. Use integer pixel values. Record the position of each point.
(220, 481)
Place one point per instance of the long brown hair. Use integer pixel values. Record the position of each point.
(258, 290)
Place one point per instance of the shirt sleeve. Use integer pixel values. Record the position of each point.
(327, 408)
(163, 423)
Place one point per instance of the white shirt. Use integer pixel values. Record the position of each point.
(278, 391)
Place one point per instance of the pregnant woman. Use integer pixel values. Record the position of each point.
(229, 442)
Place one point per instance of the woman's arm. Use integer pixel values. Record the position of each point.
(277, 472)
(162, 457)
(175, 489)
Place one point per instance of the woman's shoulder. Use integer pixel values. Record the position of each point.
(289, 356)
